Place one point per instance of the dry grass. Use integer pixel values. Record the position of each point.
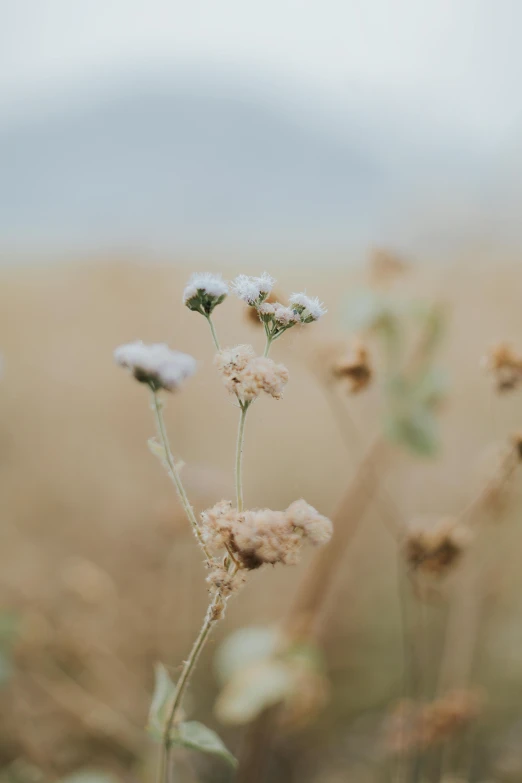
(97, 558)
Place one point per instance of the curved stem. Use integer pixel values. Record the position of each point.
(211, 617)
(213, 330)
(174, 472)
(239, 455)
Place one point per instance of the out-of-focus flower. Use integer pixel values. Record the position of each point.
(204, 291)
(433, 546)
(156, 364)
(505, 364)
(354, 367)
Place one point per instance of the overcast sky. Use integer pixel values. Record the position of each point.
(452, 63)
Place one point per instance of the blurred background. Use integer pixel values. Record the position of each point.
(368, 153)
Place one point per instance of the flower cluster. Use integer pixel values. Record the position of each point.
(204, 291)
(253, 290)
(276, 317)
(263, 536)
(354, 367)
(433, 546)
(505, 364)
(156, 365)
(247, 375)
(414, 726)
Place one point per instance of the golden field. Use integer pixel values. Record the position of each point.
(100, 569)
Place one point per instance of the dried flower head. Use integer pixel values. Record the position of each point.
(156, 364)
(204, 291)
(505, 365)
(225, 582)
(262, 535)
(309, 308)
(433, 546)
(354, 367)
(316, 528)
(413, 726)
(247, 375)
(253, 290)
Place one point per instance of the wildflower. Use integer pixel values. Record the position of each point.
(308, 308)
(433, 547)
(224, 582)
(505, 365)
(277, 318)
(204, 291)
(316, 528)
(262, 375)
(156, 364)
(253, 290)
(355, 368)
(262, 536)
(247, 375)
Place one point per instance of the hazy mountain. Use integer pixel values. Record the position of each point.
(168, 166)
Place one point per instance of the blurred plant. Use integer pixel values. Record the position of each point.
(505, 365)
(415, 387)
(233, 540)
(8, 630)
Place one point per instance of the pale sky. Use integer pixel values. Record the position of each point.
(454, 64)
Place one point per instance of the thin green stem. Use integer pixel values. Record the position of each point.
(213, 330)
(211, 618)
(239, 455)
(174, 472)
(268, 344)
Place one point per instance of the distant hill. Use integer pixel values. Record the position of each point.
(189, 165)
(173, 165)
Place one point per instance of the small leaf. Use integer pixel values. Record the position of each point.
(254, 689)
(159, 452)
(156, 449)
(196, 736)
(164, 690)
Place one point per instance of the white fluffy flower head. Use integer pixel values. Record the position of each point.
(253, 290)
(156, 364)
(204, 291)
(309, 307)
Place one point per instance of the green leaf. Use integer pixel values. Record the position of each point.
(196, 736)
(253, 689)
(163, 694)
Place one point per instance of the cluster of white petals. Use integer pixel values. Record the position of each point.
(204, 291)
(253, 290)
(308, 307)
(155, 364)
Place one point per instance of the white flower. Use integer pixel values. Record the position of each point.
(285, 316)
(155, 364)
(204, 291)
(253, 290)
(309, 308)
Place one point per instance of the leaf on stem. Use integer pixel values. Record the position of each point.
(164, 690)
(196, 736)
